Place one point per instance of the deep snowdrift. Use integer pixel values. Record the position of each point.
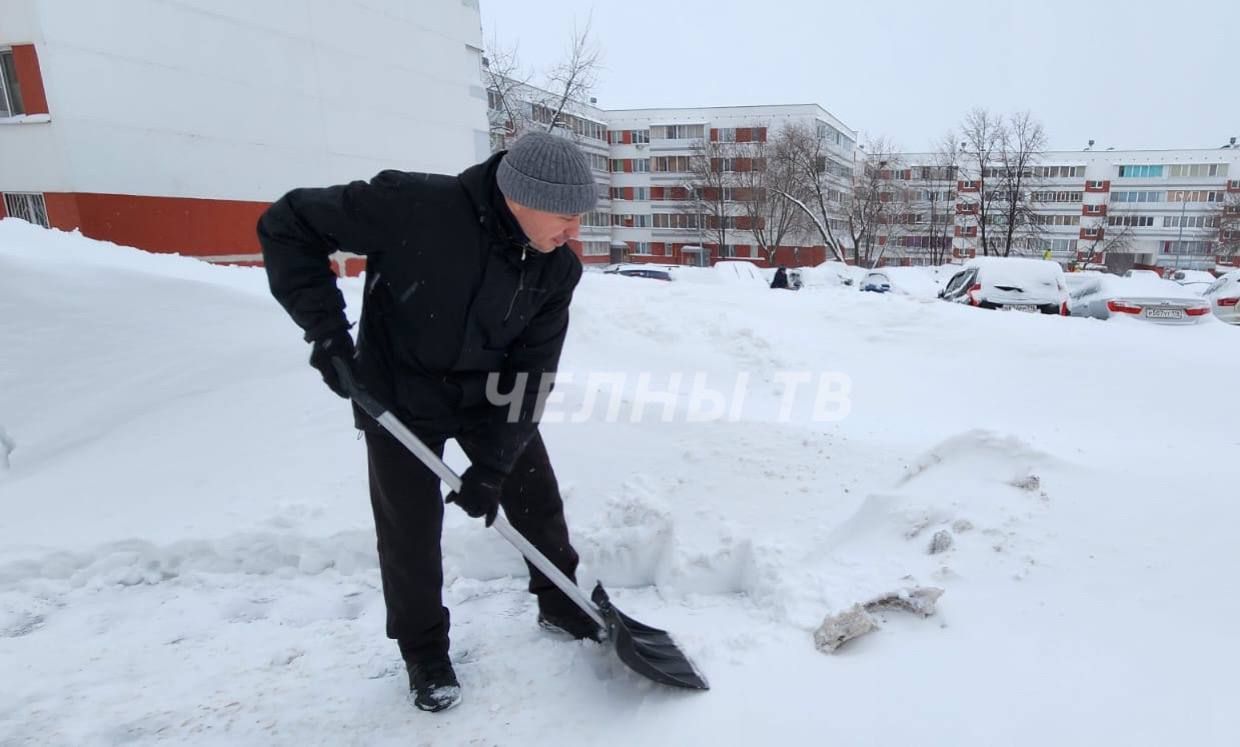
(186, 550)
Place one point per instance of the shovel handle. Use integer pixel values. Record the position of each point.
(432, 461)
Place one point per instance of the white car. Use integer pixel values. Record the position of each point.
(1224, 297)
(1196, 280)
(1148, 299)
(1010, 283)
(1142, 274)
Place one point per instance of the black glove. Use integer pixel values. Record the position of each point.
(479, 493)
(339, 344)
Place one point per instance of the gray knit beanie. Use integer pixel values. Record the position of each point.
(549, 173)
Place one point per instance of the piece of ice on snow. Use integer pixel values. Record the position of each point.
(836, 630)
(919, 600)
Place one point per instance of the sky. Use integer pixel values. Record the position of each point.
(1135, 74)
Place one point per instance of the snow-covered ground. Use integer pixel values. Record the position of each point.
(186, 552)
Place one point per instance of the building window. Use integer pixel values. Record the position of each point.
(596, 219)
(1143, 171)
(595, 248)
(27, 206)
(597, 162)
(630, 220)
(1056, 196)
(640, 247)
(673, 164)
(1194, 195)
(1059, 172)
(10, 92)
(1132, 221)
(1138, 196)
(1190, 221)
(1197, 169)
(1056, 220)
(678, 132)
(1188, 247)
(675, 220)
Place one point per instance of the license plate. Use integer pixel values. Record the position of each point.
(1021, 307)
(1164, 314)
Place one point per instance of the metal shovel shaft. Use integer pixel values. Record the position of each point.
(401, 432)
(501, 525)
(646, 650)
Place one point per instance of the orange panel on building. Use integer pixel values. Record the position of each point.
(29, 79)
(182, 225)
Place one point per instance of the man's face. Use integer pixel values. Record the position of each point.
(545, 231)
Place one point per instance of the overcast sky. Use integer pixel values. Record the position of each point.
(1131, 74)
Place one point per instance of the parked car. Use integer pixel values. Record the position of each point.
(653, 272)
(1197, 280)
(831, 274)
(1153, 300)
(1224, 297)
(876, 282)
(1011, 284)
(1142, 274)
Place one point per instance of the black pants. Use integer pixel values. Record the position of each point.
(408, 508)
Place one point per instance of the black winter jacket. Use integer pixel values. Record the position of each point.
(453, 294)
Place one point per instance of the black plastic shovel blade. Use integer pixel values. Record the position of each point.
(648, 651)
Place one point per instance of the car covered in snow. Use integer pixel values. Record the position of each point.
(831, 274)
(1223, 295)
(1197, 280)
(1011, 284)
(651, 271)
(1149, 299)
(876, 281)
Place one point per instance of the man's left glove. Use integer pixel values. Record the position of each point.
(479, 493)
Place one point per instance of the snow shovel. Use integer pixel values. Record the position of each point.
(648, 651)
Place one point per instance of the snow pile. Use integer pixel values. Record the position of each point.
(186, 551)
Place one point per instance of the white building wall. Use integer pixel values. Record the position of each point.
(31, 158)
(236, 100)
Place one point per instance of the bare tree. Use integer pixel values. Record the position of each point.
(941, 204)
(714, 182)
(508, 111)
(575, 77)
(982, 135)
(1021, 143)
(1228, 218)
(1116, 239)
(770, 217)
(879, 211)
(800, 150)
(516, 105)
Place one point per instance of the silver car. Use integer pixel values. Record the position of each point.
(1149, 299)
(1224, 297)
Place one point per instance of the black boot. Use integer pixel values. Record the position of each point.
(576, 624)
(433, 684)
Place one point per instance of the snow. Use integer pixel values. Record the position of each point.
(187, 556)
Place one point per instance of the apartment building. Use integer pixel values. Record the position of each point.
(657, 197)
(651, 199)
(1154, 209)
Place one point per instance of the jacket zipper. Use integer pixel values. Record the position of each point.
(520, 284)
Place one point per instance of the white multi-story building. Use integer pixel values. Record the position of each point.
(651, 206)
(652, 154)
(170, 126)
(1155, 209)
